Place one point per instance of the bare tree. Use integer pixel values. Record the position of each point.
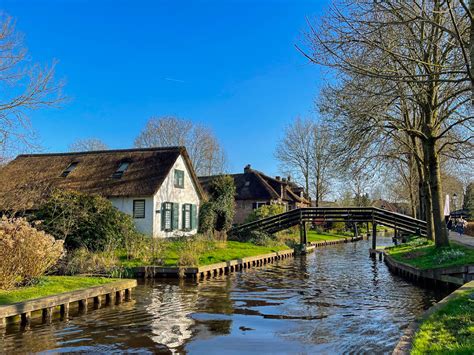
(322, 161)
(206, 153)
(392, 55)
(87, 145)
(25, 86)
(295, 150)
(305, 152)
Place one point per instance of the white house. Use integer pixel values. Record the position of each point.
(156, 186)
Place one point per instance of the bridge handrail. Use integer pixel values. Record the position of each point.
(375, 214)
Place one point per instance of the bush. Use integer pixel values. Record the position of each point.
(83, 261)
(217, 214)
(84, 220)
(265, 211)
(25, 253)
(193, 247)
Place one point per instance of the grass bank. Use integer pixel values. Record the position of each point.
(50, 285)
(421, 253)
(314, 236)
(449, 329)
(213, 253)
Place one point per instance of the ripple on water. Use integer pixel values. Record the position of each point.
(336, 300)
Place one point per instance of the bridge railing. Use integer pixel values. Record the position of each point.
(336, 214)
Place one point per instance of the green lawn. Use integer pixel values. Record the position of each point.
(314, 236)
(450, 329)
(231, 250)
(423, 254)
(237, 250)
(50, 285)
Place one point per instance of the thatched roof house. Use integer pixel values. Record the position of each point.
(121, 175)
(254, 188)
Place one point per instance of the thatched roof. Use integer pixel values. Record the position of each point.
(26, 180)
(255, 185)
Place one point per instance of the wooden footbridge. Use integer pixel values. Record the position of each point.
(319, 215)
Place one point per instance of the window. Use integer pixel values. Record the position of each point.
(138, 208)
(186, 217)
(190, 217)
(169, 216)
(121, 170)
(256, 205)
(179, 179)
(69, 168)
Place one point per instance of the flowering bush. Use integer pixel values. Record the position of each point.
(25, 252)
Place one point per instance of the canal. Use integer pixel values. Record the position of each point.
(336, 300)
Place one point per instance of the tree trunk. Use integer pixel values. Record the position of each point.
(471, 50)
(435, 188)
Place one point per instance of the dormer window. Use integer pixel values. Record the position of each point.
(69, 168)
(121, 170)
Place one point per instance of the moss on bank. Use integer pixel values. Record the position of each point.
(423, 254)
(449, 329)
(50, 285)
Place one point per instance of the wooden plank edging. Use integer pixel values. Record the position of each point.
(64, 298)
(439, 274)
(231, 265)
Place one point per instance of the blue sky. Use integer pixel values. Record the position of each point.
(229, 64)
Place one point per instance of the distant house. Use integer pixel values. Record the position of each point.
(392, 206)
(156, 186)
(255, 189)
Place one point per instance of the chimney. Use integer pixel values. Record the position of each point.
(277, 178)
(247, 169)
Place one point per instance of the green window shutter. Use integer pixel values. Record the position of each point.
(163, 212)
(175, 216)
(183, 219)
(194, 217)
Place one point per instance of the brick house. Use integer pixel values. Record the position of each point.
(254, 189)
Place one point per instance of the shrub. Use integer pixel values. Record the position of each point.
(83, 261)
(217, 214)
(25, 253)
(265, 211)
(84, 220)
(193, 247)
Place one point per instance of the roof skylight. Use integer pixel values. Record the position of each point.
(121, 170)
(69, 168)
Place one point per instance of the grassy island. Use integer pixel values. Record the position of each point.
(50, 285)
(422, 253)
(450, 328)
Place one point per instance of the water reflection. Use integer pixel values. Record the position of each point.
(336, 300)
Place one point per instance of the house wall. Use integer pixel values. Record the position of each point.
(244, 207)
(125, 204)
(169, 193)
(151, 224)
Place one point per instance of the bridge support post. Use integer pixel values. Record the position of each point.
(303, 235)
(374, 235)
(356, 231)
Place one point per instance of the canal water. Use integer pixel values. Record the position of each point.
(335, 300)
